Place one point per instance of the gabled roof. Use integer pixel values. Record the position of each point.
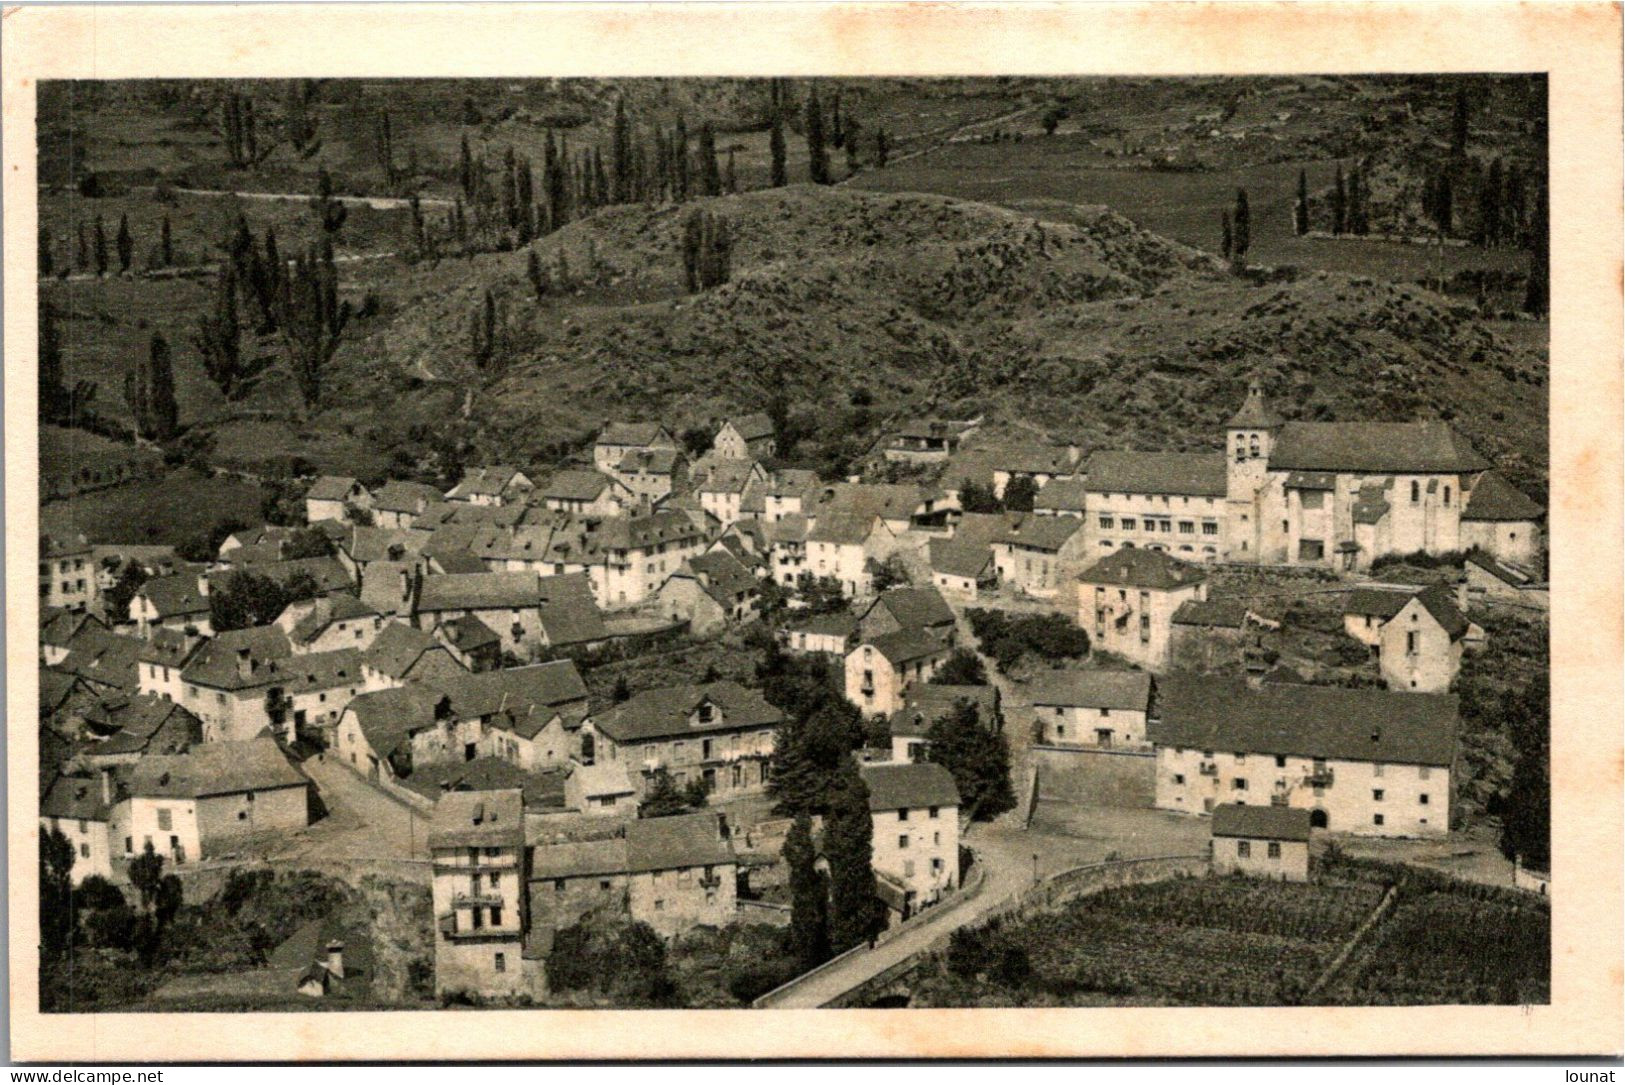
(396, 648)
(651, 461)
(388, 717)
(1495, 499)
(1190, 474)
(952, 557)
(633, 434)
(1048, 533)
(331, 488)
(896, 785)
(485, 481)
(479, 591)
(887, 500)
(1505, 571)
(1377, 601)
(581, 858)
(537, 789)
(907, 645)
(108, 658)
(1212, 613)
(914, 608)
(1438, 601)
(1062, 495)
(728, 476)
(720, 575)
(672, 843)
(642, 532)
(468, 633)
(1029, 458)
(409, 497)
(840, 623)
(752, 427)
(846, 529)
(215, 768)
(576, 485)
(568, 613)
(60, 627)
(665, 713)
(75, 798)
(316, 616)
(1138, 567)
(1261, 822)
(216, 665)
(1330, 722)
(1374, 448)
(925, 704)
(1129, 691)
(175, 596)
(328, 574)
(369, 544)
(141, 719)
(467, 819)
(515, 689)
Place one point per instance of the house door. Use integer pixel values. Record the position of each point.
(1318, 819)
(1103, 736)
(710, 779)
(471, 750)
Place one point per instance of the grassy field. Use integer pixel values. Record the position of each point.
(163, 511)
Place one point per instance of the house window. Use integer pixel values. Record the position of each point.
(1416, 491)
(931, 812)
(1412, 640)
(1274, 849)
(1280, 761)
(1376, 819)
(1244, 849)
(1106, 522)
(1238, 784)
(1376, 795)
(1179, 777)
(1447, 496)
(164, 821)
(502, 962)
(660, 906)
(1128, 523)
(604, 885)
(902, 815)
(1187, 527)
(902, 843)
(1422, 798)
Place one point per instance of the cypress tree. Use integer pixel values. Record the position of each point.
(1458, 124)
(534, 272)
(817, 154)
(81, 257)
(149, 389)
(101, 248)
(166, 251)
(851, 144)
(775, 143)
(837, 126)
(1352, 213)
(125, 244)
(881, 148)
(1300, 211)
(53, 391)
(1241, 228)
(1339, 203)
(218, 336)
(809, 897)
(730, 179)
(465, 168)
(855, 908)
(482, 327)
(1490, 215)
(621, 154)
(679, 151)
(1226, 238)
(710, 179)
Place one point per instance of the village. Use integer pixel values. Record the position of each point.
(655, 687)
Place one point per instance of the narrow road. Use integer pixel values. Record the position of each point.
(362, 823)
(377, 203)
(950, 135)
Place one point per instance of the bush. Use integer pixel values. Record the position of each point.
(1050, 637)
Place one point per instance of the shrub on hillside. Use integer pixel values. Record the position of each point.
(1009, 638)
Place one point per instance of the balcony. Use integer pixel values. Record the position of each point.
(1319, 778)
(477, 898)
(712, 882)
(1208, 768)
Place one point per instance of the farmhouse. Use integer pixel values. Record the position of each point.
(618, 439)
(825, 634)
(528, 612)
(213, 798)
(846, 548)
(397, 505)
(497, 485)
(914, 809)
(880, 671)
(1264, 841)
(907, 608)
(66, 578)
(961, 570)
(1091, 707)
(1034, 553)
(587, 493)
(1128, 601)
(1501, 521)
(718, 732)
(1362, 761)
(709, 592)
(924, 705)
(331, 498)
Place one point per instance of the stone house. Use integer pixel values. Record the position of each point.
(924, 705)
(1501, 521)
(1208, 634)
(329, 623)
(1041, 463)
(473, 644)
(710, 592)
(587, 493)
(401, 654)
(914, 808)
(212, 798)
(928, 440)
(67, 578)
(619, 439)
(653, 474)
(721, 486)
(331, 497)
(81, 809)
(907, 608)
(1062, 497)
(528, 612)
(1036, 553)
(1098, 708)
(495, 485)
(477, 850)
(881, 671)
(397, 504)
(824, 634)
(847, 548)
(171, 602)
(1363, 761)
(961, 570)
(249, 680)
(1169, 501)
(719, 733)
(1505, 581)
(1262, 841)
(787, 549)
(747, 437)
(629, 557)
(1127, 602)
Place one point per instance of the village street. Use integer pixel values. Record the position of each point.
(362, 824)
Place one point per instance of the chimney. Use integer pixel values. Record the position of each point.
(203, 585)
(335, 959)
(245, 663)
(1376, 734)
(107, 786)
(1461, 596)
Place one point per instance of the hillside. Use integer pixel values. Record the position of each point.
(1090, 327)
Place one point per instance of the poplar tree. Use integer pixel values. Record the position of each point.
(101, 248)
(1339, 203)
(855, 908)
(1300, 210)
(1241, 228)
(775, 143)
(710, 179)
(125, 244)
(809, 897)
(149, 389)
(621, 154)
(882, 146)
(218, 337)
(46, 264)
(730, 179)
(166, 251)
(817, 153)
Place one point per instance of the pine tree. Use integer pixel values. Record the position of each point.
(386, 148)
(1490, 215)
(125, 245)
(809, 897)
(330, 212)
(166, 251)
(1300, 210)
(1339, 203)
(1241, 228)
(855, 908)
(775, 143)
(621, 154)
(817, 154)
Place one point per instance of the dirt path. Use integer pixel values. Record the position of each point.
(943, 137)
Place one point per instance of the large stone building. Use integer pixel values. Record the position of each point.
(1127, 602)
(1363, 761)
(477, 847)
(718, 733)
(914, 808)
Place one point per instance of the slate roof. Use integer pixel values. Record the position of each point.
(572, 485)
(753, 427)
(635, 434)
(1212, 613)
(1255, 413)
(328, 574)
(485, 481)
(1139, 567)
(720, 575)
(478, 819)
(458, 563)
(643, 532)
(537, 789)
(954, 558)
(1377, 602)
(397, 647)
(928, 703)
(1374, 448)
(140, 719)
(1261, 822)
(728, 476)
(1505, 571)
(671, 843)
(650, 461)
(480, 591)
(55, 546)
(215, 768)
(388, 717)
(216, 664)
(469, 633)
(323, 612)
(889, 500)
(411, 497)
(840, 623)
(1035, 459)
(915, 608)
(846, 529)
(552, 685)
(907, 645)
(108, 658)
(1048, 533)
(1208, 713)
(175, 596)
(369, 544)
(896, 785)
(1372, 503)
(1439, 602)
(1062, 494)
(76, 798)
(664, 713)
(1126, 690)
(578, 859)
(330, 488)
(60, 627)
(568, 613)
(1191, 474)
(1495, 499)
